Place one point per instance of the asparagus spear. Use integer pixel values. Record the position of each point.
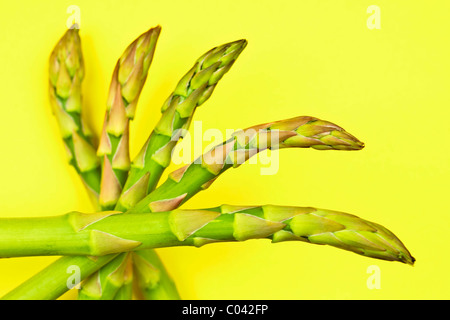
(174, 190)
(194, 88)
(66, 73)
(99, 234)
(128, 79)
(298, 132)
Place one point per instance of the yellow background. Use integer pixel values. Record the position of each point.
(388, 87)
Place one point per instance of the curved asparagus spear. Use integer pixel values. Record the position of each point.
(128, 79)
(299, 132)
(66, 73)
(192, 90)
(102, 234)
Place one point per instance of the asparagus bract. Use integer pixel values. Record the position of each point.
(102, 234)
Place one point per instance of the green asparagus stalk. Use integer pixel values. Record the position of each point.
(102, 234)
(66, 73)
(56, 279)
(299, 132)
(195, 87)
(128, 79)
(175, 190)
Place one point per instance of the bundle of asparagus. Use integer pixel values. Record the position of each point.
(113, 247)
